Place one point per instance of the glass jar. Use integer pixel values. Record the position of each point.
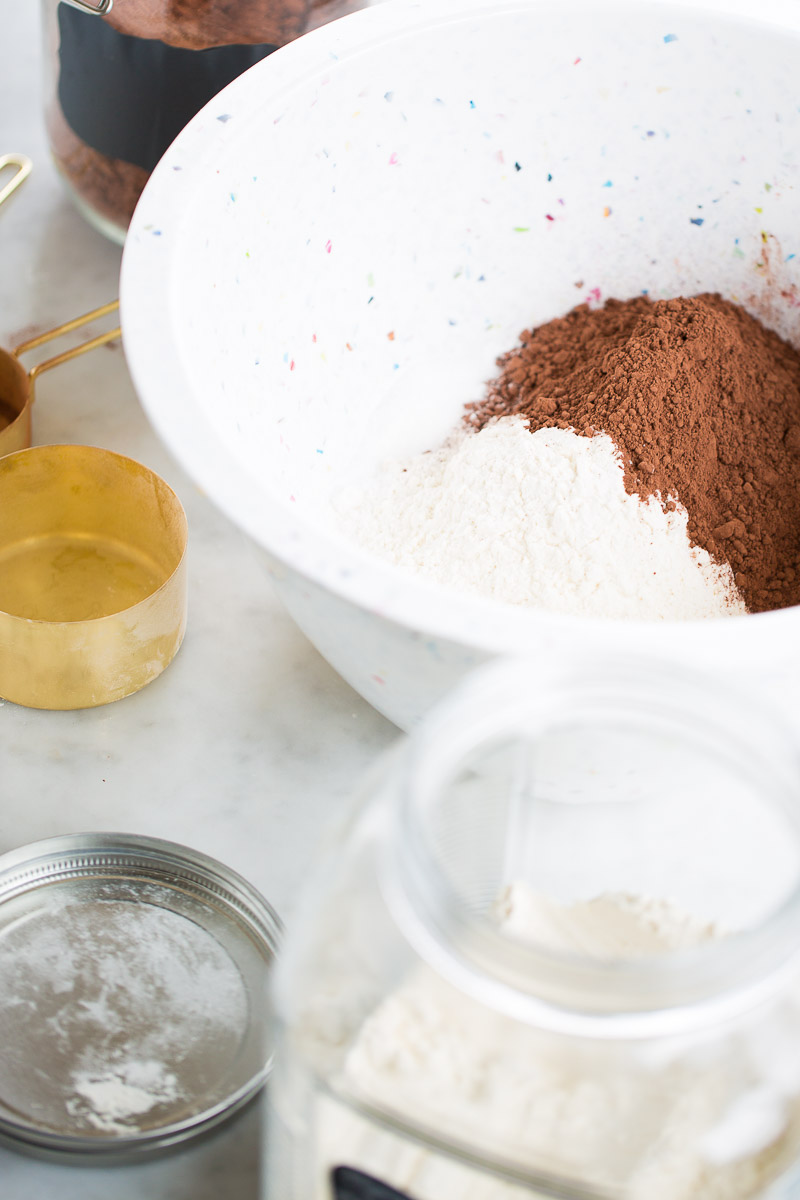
(553, 950)
(123, 77)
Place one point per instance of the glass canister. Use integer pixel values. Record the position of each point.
(123, 77)
(553, 950)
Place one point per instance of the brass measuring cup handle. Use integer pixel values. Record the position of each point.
(24, 167)
(17, 381)
(67, 327)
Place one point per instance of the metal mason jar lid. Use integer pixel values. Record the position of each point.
(133, 995)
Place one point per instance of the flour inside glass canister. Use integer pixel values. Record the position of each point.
(135, 1010)
(640, 460)
(674, 1126)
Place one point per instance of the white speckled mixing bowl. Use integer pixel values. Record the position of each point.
(326, 262)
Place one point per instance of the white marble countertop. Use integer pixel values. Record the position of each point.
(249, 740)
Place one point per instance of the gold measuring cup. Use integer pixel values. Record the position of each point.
(92, 576)
(92, 550)
(17, 383)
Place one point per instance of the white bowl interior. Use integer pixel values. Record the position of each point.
(326, 263)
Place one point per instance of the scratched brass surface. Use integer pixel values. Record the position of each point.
(92, 576)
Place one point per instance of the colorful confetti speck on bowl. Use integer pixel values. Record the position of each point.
(435, 170)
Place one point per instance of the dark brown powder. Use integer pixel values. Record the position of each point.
(126, 83)
(110, 186)
(199, 24)
(703, 403)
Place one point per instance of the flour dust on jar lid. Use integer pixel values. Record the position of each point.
(133, 984)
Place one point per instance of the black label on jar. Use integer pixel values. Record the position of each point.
(349, 1184)
(130, 97)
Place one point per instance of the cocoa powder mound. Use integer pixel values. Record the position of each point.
(703, 403)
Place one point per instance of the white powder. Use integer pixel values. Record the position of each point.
(117, 1014)
(579, 1109)
(611, 926)
(131, 1089)
(541, 520)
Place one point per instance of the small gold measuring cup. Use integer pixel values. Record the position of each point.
(17, 383)
(92, 572)
(92, 551)
(92, 576)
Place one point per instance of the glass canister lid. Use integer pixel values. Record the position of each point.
(544, 788)
(133, 980)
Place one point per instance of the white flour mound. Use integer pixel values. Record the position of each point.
(612, 926)
(688, 1127)
(121, 1093)
(541, 520)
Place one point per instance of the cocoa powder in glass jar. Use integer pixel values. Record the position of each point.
(122, 85)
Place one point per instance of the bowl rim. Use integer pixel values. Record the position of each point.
(149, 314)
